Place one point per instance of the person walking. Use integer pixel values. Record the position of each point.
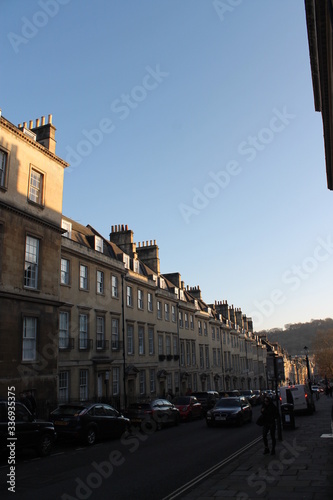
(270, 414)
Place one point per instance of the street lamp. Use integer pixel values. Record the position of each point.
(306, 350)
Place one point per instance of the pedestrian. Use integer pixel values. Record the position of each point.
(330, 390)
(270, 414)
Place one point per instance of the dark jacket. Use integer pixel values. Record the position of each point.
(269, 412)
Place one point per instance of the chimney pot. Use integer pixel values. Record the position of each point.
(24, 124)
(37, 122)
(151, 242)
(50, 119)
(19, 125)
(122, 227)
(147, 243)
(31, 124)
(43, 120)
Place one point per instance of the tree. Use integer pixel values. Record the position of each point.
(322, 347)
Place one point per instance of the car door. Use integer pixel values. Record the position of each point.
(99, 419)
(114, 424)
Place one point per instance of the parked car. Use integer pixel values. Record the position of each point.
(188, 406)
(248, 393)
(207, 399)
(157, 413)
(88, 421)
(230, 411)
(29, 432)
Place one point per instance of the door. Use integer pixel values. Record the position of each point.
(99, 386)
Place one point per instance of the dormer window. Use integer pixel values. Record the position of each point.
(68, 226)
(126, 261)
(98, 244)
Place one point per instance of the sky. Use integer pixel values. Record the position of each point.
(193, 122)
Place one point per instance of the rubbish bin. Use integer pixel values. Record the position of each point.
(288, 417)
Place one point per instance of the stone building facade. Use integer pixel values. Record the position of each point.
(31, 186)
(84, 317)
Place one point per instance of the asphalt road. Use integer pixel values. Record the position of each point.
(138, 466)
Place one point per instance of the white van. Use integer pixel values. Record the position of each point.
(299, 395)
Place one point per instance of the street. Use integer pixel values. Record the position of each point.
(137, 466)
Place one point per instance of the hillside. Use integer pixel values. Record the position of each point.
(295, 336)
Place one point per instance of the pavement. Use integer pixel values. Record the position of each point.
(301, 469)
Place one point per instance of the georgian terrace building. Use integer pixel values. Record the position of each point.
(85, 317)
(31, 186)
(128, 332)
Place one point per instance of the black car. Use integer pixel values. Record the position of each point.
(207, 399)
(230, 411)
(153, 414)
(88, 421)
(29, 432)
(249, 394)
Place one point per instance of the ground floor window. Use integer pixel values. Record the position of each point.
(64, 386)
(83, 385)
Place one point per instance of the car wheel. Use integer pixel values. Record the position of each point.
(91, 436)
(45, 445)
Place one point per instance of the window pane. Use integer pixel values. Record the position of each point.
(3, 165)
(36, 184)
(64, 271)
(31, 262)
(29, 339)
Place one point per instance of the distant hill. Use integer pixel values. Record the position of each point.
(295, 336)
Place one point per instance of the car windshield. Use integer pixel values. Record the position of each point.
(68, 410)
(181, 401)
(227, 402)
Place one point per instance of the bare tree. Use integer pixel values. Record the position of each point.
(322, 348)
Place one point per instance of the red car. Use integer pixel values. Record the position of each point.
(189, 407)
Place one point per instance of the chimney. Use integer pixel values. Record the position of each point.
(223, 308)
(123, 237)
(239, 318)
(45, 133)
(148, 254)
(195, 292)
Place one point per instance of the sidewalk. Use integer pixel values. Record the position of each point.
(302, 468)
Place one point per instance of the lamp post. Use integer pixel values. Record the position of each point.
(306, 350)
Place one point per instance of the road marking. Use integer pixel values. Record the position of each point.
(210, 471)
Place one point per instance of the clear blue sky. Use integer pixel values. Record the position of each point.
(193, 122)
